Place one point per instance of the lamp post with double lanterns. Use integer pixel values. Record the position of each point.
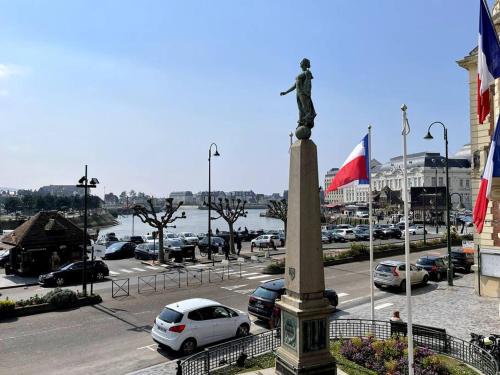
(447, 200)
(216, 153)
(86, 184)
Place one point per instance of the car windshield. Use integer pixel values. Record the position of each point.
(115, 246)
(426, 261)
(170, 316)
(175, 243)
(171, 235)
(265, 293)
(384, 268)
(66, 266)
(153, 246)
(188, 234)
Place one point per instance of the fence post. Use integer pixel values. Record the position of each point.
(201, 276)
(240, 270)
(207, 361)
(179, 272)
(155, 282)
(138, 289)
(179, 368)
(112, 289)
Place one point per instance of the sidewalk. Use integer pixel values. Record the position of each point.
(270, 371)
(458, 309)
(15, 281)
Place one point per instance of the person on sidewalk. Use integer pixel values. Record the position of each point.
(275, 321)
(395, 317)
(238, 243)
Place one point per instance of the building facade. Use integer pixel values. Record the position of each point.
(182, 196)
(487, 278)
(354, 193)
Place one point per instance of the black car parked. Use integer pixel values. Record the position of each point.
(73, 273)
(4, 257)
(215, 243)
(462, 260)
(120, 250)
(434, 265)
(262, 300)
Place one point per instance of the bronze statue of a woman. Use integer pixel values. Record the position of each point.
(304, 102)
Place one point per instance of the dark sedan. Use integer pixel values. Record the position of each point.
(119, 250)
(215, 243)
(73, 272)
(362, 235)
(146, 251)
(434, 265)
(461, 259)
(262, 300)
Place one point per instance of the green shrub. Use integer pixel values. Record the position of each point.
(61, 297)
(7, 305)
(275, 268)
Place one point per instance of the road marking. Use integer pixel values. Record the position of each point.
(233, 287)
(150, 347)
(126, 271)
(254, 267)
(138, 269)
(383, 306)
(265, 281)
(244, 291)
(113, 273)
(152, 268)
(257, 277)
(342, 294)
(249, 274)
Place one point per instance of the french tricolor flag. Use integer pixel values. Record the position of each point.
(355, 168)
(491, 169)
(488, 61)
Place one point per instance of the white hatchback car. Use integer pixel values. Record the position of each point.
(189, 237)
(265, 241)
(183, 326)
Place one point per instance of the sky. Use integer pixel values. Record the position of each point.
(138, 90)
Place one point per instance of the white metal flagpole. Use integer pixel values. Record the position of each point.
(370, 218)
(405, 132)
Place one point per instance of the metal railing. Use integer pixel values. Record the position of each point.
(120, 288)
(176, 278)
(435, 339)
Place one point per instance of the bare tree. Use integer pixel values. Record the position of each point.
(278, 210)
(148, 215)
(230, 210)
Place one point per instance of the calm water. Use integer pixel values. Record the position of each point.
(196, 221)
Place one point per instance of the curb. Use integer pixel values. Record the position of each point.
(17, 286)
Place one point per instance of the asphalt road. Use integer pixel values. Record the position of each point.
(114, 338)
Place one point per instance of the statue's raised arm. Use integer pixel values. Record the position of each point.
(304, 102)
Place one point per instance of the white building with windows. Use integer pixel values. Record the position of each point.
(424, 169)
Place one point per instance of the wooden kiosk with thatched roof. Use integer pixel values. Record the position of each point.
(42, 243)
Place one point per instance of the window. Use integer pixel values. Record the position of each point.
(433, 181)
(441, 181)
(170, 316)
(420, 181)
(195, 315)
(219, 312)
(466, 183)
(461, 183)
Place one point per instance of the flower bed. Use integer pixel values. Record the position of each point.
(55, 299)
(391, 357)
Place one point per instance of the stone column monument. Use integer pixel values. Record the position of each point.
(305, 312)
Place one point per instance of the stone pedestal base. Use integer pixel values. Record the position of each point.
(284, 368)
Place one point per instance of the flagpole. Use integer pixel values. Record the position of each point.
(370, 212)
(405, 132)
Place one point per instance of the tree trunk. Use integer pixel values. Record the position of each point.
(161, 252)
(231, 238)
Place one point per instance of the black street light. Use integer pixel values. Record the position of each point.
(216, 153)
(85, 184)
(448, 242)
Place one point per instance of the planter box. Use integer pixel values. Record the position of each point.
(47, 307)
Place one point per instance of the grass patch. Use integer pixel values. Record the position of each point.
(251, 364)
(456, 367)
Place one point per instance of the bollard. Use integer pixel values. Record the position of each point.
(254, 258)
(241, 260)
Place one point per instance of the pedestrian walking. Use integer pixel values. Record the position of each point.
(238, 243)
(275, 321)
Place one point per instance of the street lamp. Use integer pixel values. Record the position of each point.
(448, 242)
(84, 183)
(216, 153)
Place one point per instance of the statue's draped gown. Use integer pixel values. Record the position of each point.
(304, 101)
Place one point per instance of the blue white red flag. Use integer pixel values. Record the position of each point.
(488, 61)
(491, 169)
(355, 168)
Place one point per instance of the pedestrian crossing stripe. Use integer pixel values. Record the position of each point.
(265, 281)
(233, 287)
(113, 273)
(138, 269)
(249, 273)
(342, 294)
(126, 271)
(383, 306)
(152, 267)
(257, 277)
(244, 291)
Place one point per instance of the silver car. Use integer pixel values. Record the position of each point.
(392, 273)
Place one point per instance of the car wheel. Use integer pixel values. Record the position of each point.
(402, 286)
(99, 276)
(438, 276)
(425, 280)
(60, 281)
(377, 285)
(136, 256)
(188, 347)
(467, 269)
(243, 330)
